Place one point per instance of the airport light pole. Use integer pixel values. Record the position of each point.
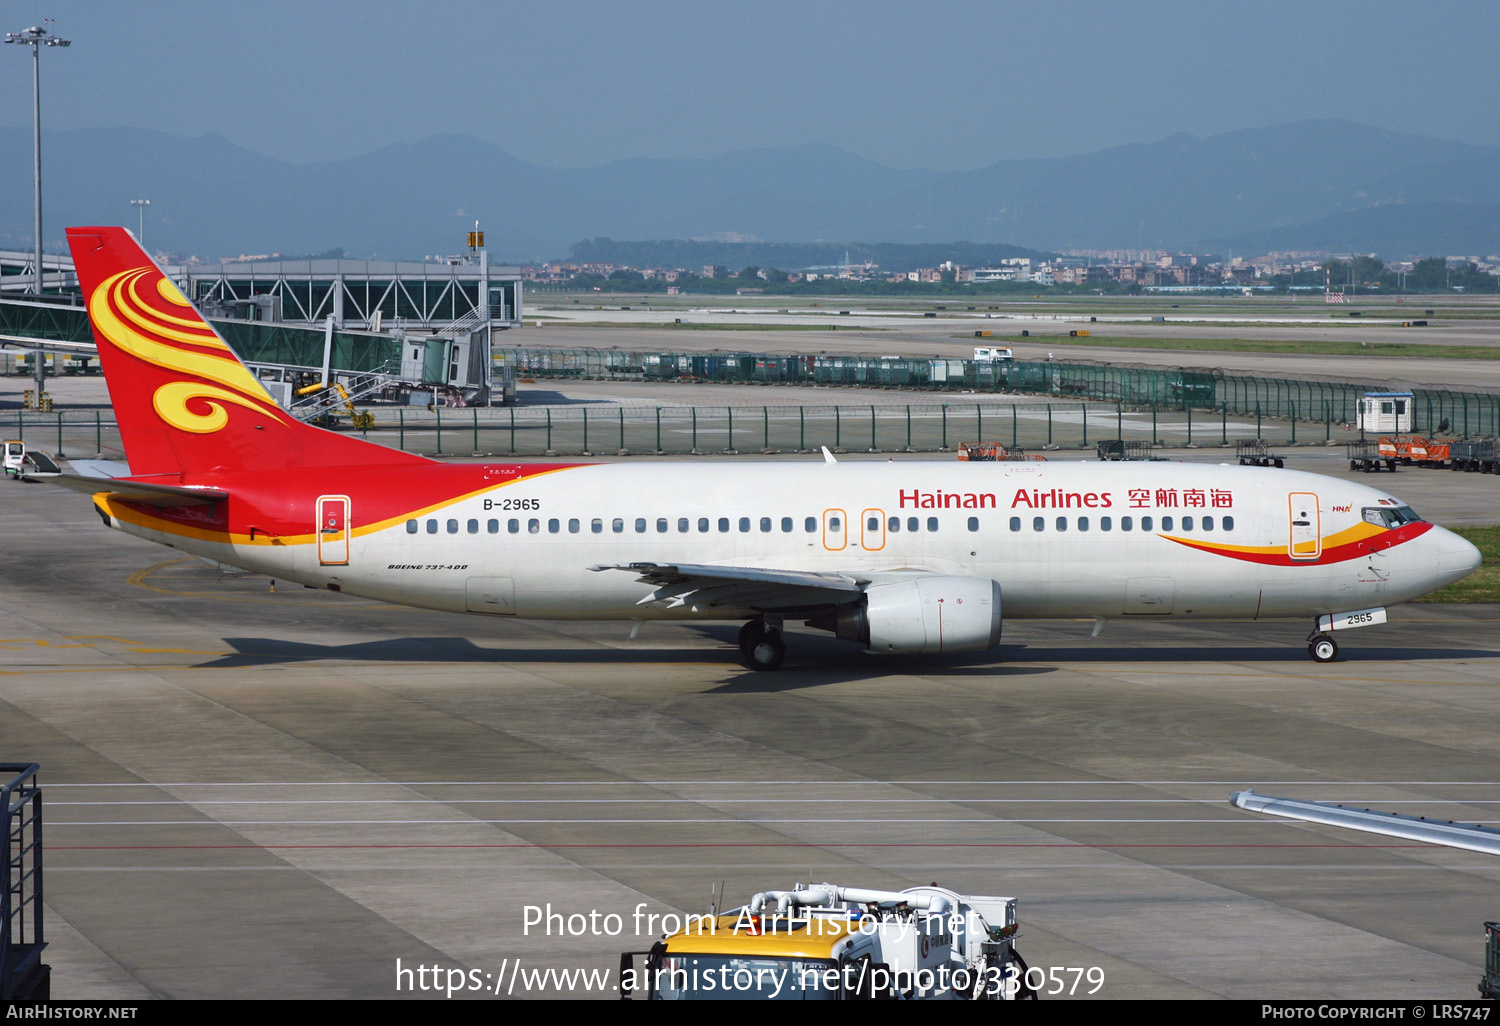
(141, 205)
(37, 38)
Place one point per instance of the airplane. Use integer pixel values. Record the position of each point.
(899, 557)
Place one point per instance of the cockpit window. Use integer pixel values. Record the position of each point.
(1390, 516)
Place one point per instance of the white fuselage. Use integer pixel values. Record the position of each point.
(1062, 539)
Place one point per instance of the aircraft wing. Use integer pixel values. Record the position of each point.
(1472, 836)
(137, 491)
(701, 586)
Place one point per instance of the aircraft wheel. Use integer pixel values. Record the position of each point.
(761, 649)
(1324, 650)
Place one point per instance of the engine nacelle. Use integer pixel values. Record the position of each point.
(925, 614)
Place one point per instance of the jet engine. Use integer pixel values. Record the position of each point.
(924, 614)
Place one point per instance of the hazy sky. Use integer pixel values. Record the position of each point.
(936, 85)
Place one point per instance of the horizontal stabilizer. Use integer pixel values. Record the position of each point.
(135, 491)
(100, 468)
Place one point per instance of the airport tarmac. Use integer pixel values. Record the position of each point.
(257, 793)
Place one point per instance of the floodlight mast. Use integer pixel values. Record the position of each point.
(36, 38)
(141, 205)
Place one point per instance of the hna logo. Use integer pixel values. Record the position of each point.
(1342, 509)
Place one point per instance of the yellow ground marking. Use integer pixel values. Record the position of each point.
(152, 668)
(1120, 671)
(133, 646)
(138, 580)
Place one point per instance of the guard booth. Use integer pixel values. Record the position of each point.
(1385, 412)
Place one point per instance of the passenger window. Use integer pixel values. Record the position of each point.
(432, 527)
(661, 525)
(513, 526)
(744, 524)
(1062, 523)
(913, 524)
(493, 526)
(872, 523)
(1038, 523)
(640, 525)
(1166, 523)
(1208, 523)
(554, 525)
(1127, 523)
(1228, 523)
(835, 524)
(683, 525)
(453, 527)
(810, 525)
(786, 525)
(534, 526)
(618, 525)
(1015, 523)
(473, 527)
(973, 523)
(765, 525)
(703, 525)
(411, 527)
(1106, 523)
(1145, 523)
(1083, 523)
(893, 524)
(932, 523)
(1187, 523)
(573, 526)
(597, 526)
(723, 525)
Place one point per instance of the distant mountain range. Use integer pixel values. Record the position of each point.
(1331, 185)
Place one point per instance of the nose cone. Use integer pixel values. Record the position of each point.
(1456, 557)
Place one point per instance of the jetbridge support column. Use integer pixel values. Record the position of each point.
(483, 338)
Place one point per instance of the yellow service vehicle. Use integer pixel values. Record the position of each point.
(832, 943)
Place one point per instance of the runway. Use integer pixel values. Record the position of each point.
(257, 793)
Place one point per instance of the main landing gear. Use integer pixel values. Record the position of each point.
(761, 647)
(1322, 648)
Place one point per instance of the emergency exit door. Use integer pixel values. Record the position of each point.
(1306, 527)
(835, 530)
(333, 530)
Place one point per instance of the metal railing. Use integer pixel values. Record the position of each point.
(1467, 413)
(610, 428)
(22, 974)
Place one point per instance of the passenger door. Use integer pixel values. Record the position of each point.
(333, 530)
(1306, 539)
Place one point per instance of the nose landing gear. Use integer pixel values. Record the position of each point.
(761, 647)
(1323, 648)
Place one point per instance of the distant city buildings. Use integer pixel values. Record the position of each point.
(1133, 269)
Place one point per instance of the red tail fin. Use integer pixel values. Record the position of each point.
(184, 402)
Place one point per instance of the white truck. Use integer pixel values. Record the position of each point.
(993, 354)
(827, 942)
(22, 463)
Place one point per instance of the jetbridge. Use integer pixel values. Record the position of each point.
(412, 333)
